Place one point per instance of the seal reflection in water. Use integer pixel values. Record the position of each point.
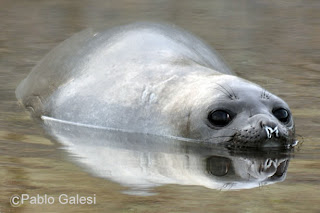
(154, 79)
(141, 162)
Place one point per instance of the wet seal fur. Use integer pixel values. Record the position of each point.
(155, 79)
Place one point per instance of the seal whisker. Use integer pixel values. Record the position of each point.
(262, 93)
(228, 141)
(234, 94)
(265, 94)
(229, 94)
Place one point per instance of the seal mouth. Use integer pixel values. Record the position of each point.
(265, 138)
(268, 143)
(281, 143)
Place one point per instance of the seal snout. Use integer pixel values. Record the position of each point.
(267, 122)
(263, 131)
(270, 127)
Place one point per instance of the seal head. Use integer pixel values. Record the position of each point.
(237, 112)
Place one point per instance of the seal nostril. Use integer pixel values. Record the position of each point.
(270, 131)
(267, 123)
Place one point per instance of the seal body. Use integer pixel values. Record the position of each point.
(155, 79)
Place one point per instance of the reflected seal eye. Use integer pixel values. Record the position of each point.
(218, 166)
(282, 115)
(219, 118)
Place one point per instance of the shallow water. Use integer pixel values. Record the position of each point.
(273, 43)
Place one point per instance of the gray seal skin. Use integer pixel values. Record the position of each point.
(155, 79)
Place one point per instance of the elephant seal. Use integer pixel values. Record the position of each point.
(155, 79)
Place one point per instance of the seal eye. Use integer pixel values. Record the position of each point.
(219, 118)
(282, 115)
